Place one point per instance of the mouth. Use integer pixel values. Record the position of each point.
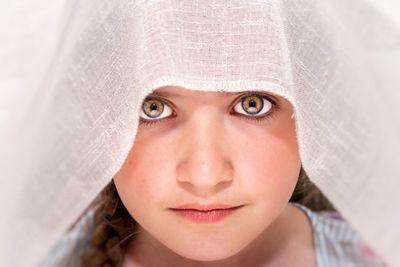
(205, 213)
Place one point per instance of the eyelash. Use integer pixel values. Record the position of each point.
(257, 120)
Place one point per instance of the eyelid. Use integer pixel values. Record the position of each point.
(268, 96)
(162, 99)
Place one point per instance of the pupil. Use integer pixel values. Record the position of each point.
(252, 103)
(153, 106)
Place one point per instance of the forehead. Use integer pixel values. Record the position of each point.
(181, 92)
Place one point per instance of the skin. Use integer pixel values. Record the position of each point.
(204, 150)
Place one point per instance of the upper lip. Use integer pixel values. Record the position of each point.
(202, 207)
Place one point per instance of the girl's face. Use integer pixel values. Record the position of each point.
(196, 147)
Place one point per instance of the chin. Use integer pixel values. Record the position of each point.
(215, 256)
(207, 252)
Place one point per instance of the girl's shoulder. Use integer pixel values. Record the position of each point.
(337, 243)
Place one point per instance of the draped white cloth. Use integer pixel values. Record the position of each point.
(73, 75)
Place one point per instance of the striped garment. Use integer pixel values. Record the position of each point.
(337, 243)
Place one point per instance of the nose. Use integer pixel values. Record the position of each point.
(205, 166)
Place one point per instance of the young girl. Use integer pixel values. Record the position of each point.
(207, 183)
(204, 122)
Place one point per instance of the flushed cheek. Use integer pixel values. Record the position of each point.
(269, 170)
(140, 185)
(269, 179)
(142, 201)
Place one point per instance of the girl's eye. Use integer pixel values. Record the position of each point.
(152, 108)
(253, 105)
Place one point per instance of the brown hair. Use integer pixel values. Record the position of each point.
(114, 227)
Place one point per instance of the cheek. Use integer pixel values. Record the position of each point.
(271, 164)
(140, 181)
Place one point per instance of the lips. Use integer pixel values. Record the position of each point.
(200, 207)
(205, 213)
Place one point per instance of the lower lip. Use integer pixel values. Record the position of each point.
(205, 216)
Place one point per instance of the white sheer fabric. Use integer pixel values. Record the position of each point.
(74, 74)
